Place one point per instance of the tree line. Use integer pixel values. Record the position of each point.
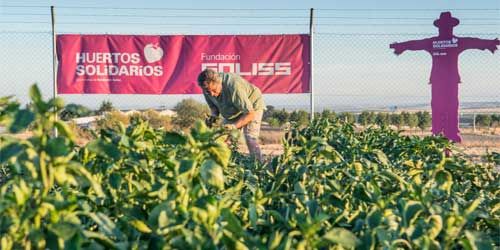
(189, 110)
(422, 120)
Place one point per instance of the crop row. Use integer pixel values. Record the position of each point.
(137, 187)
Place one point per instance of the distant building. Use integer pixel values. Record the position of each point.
(168, 112)
(86, 122)
(131, 112)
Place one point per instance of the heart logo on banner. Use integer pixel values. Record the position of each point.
(153, 53)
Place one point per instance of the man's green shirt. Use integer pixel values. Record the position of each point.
(238, 97)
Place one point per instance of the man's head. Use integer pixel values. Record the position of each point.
(210, 81)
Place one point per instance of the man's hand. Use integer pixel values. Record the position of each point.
(209, 121)
(245, 119)
(230, 126)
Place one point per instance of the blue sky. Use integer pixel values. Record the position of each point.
(353, 65)
(76, 19)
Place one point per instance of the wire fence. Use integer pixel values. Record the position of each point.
(354, 69)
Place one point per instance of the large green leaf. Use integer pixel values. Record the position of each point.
(411, 211)
(275, 240)
(65, 130)
(330, 153)
(80, 170)
(212, 174)
(106, 225)
(36, 98)
(115, 180)
(158, 216)
(374, 218)
(57, 103)
(64, 230)
(103, 148)
(21, 192)
(443, 179)
(473, 206)
(382, 158)
(22, 120)
(186, 166)
(233, 224)
(435, 223)
(140, 226)
(342, 237)
(100, 238)
(477, 241)
(252, 212)
(35, 94)
(174, 138)
(57, 147)
(10, 150)
(163, 219)
(5, 100)
(220, 153)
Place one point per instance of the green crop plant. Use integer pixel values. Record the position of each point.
(334, 187)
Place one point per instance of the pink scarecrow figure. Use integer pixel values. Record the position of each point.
(444, 79)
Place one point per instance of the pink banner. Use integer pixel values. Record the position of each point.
(126, 64)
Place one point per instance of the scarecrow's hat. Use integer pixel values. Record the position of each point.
(446, 20)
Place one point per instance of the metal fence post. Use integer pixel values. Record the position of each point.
(54, 62)
(311, 65)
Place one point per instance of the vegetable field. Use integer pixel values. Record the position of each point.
(137, 187)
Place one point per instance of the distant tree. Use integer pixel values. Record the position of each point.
(301, 117)
(111, 120)
(396, 120)
(268, 113)
(156, 119)
(371, 117)
(304, 117)
(364, 118)
(73, 110)
(406, 118)
(106, 106)
(347, 117)
(275, 117)
(282, 116)
(328, 114)
(424, 120)
(317, 115)
(495, 120)
(483, 120)
(382, 119)
(412, 121)
(273, 122)
(188, 111)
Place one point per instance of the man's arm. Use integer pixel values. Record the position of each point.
(214, 111)
(245, 119)
(399, 48)
(242, 102)
(477, 43)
